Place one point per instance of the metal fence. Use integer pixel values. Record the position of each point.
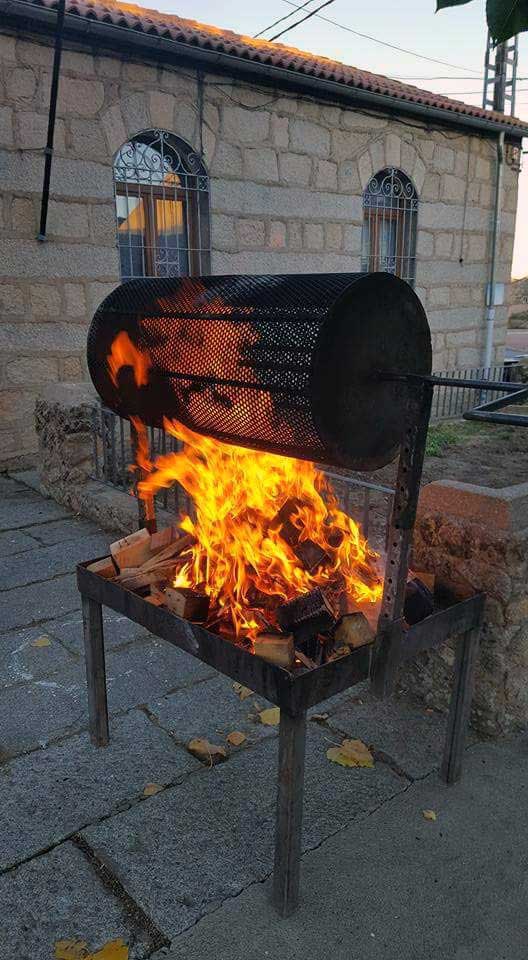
(112, 452)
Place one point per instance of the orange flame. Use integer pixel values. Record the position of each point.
(123, 353)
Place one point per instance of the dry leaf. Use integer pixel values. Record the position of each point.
(236, 738)
(270, 717)
(351, 753)
(429, 815)
(151, 789)
(208, 752)
(71, 950)
(42, 641)
(241, 691)
(113, 950)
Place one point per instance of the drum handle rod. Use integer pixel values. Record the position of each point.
(435, 381)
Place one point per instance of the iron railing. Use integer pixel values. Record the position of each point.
(450, 403)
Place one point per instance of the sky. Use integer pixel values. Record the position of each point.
(456, 35)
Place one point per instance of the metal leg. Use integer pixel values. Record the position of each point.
(292, 737)
(95, 671)
(460, 705)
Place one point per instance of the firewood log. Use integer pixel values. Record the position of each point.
(132, 550)
(310, 607)
(353, 630)
(276, 648)
(187, 603)
(138, 578)
(170, 552)
(309, 553)
(104, 568)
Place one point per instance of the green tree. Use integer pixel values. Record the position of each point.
(505, 17)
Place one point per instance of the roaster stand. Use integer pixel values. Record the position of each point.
(295, 692)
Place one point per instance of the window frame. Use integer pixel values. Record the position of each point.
(395, 202)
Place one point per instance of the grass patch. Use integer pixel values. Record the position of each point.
(442, 436)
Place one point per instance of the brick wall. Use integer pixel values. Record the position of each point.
(287, 176)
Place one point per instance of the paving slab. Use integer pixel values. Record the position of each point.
(59, 897)
(28, 509)
(118, 630)
(16, 541)
(211, 710)
(394, 885)
(37, 713)
(43, 563)
(12, 488)
(206, 839)
(412, 736)
(29, 655)
(50, 794)
(59, 531)
(35, 602)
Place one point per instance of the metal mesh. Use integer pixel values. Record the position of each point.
(265, 362)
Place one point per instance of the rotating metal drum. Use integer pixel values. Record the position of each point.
(293, 364)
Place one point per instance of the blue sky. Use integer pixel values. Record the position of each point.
(456, 36)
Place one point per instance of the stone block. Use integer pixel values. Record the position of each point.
(365, 169)
(227, 160)
(43, 600)
(7, 49)
(314, 236)
(45, 300)
(87, 140)
(114, 128)
(309, 138)
(245, 126)
(477, 249)
(68, 220)
(426, 148)
(418, 174)
(348, 177)
(254, 199)
(80, 97)
(260, 164)
(501, 510)
(211, 117)
(35, 54)
(443, 159)
(333, 236)
(12, 300)
(32, 129)
(347, 145)
(453, 188)
(26, 259)
(295, 234)
(23, 217)
(224, 233)
(82, 64)
(483, 169)
(277, 234)
(438, 297)
(29, 654)
(20, 85)
(58, 897)
(326, 175)
(295, 170)
(392, 150)
(135, 113)
(75, 300)
(50, 561)
(97, 293)
(251, 233)
(352, 238)
(279, 132)
(6, 127)
(32, 370)
(431, 187)
(425, 244)
(185, 121)
(103, 224)
(377, 154)
(443, 245)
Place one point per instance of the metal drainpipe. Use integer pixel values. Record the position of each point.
(48, 152)
(490, 293)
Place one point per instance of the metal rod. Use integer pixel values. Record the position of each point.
(288, 830)
(460, 705)
(438, 381)
(48, 152)
(146, 508)
(95, 671)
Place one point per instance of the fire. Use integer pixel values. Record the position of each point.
(123, 353)
(241, 558)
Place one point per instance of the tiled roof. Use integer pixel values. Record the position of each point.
(206, 37)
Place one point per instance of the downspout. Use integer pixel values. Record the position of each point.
(48, 151)
(490, 293)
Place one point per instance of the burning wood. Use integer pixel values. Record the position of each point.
(275, 647)
(353, 630)
(309, 608)
(132, 550)
(310, 554)
(187, 603)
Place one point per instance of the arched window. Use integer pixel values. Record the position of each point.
(162, 206)
(390, 213)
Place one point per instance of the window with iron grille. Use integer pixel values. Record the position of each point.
(162, 207)
(390, 213)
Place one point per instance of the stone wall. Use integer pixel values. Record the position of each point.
(478, 538)
(287, 175)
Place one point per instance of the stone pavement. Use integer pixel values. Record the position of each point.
(86, 854)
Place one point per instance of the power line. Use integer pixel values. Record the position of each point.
(313, 13)
(280, 20)
(392, 46)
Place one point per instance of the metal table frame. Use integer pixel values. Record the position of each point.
(295, 692)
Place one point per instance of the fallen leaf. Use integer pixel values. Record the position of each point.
(151, 789)
(241, 691)
(236, 738)
(351, 753)
(208, 752)
(113, 950)
(429, 815)
(270, 717)
(42, 641)
(71, 950)
(319, 717)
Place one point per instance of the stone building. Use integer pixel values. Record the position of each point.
(183, 148)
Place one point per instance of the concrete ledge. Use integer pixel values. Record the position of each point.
(503, 509)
